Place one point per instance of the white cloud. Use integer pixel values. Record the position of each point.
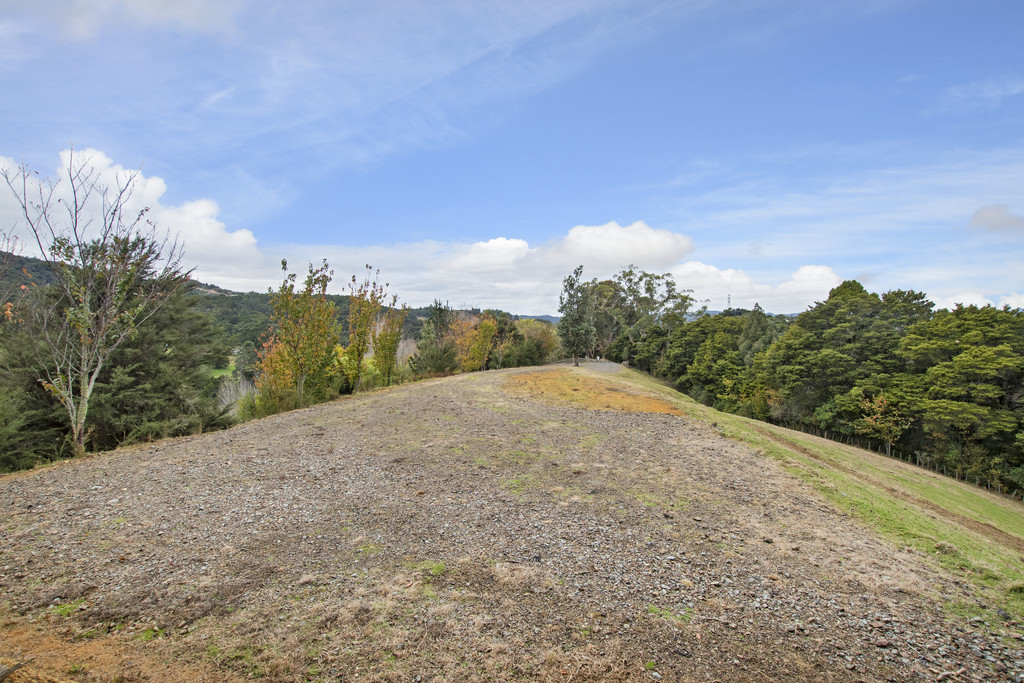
(503, 272)
(793, 295)
(227, 257)
(611, 247)
(965, 298)
(996, 217)
(1015, 300)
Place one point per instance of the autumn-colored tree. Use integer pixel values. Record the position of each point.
(883, 419)
(480, 346)
(386, 341)
(473, 338)
(367, 298)
(305, 332)
(462, 331)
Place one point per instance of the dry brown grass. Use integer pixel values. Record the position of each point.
(564, 386)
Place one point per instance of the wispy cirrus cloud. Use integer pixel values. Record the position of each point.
(985, 94)
(901, 224)
(85, 19)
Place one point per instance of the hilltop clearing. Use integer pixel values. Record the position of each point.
(556, 524)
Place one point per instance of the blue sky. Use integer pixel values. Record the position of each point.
(477, 151)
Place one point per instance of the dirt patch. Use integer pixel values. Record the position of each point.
(67, 652)
(466, 529)
(565, 386)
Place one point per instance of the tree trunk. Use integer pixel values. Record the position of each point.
(78, 440)
(78, 421)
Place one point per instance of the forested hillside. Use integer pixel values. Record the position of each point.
(939, 388)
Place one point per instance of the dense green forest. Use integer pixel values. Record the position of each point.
(940, 388)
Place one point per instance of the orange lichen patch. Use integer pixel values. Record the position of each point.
(26, 674)
(62, 658)
(585, 391)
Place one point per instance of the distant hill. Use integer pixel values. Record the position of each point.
(553, 319)
(243, 316)
(16, 270)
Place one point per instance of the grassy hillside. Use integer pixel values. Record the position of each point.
(542, 524)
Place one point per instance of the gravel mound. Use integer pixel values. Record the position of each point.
(455, 530)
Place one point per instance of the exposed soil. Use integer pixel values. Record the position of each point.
(466, 529)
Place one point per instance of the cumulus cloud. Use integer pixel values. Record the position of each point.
(1012, 300)
(717, 286)
(611, 246)
(965, 298)
(503, 272)
(226, 257)
(996, 217)
(506, 272)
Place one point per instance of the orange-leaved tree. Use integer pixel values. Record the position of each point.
(304, 334)
(883, 419)
(473, 341)
(274, 378)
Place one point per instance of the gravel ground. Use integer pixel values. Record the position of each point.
(458, 529)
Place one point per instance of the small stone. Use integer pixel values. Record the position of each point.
(881, 642)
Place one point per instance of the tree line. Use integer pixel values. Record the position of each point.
(940, 388)
(107, 340)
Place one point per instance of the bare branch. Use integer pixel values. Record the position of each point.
(113, 271)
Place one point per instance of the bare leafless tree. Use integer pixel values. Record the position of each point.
(113, 269)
